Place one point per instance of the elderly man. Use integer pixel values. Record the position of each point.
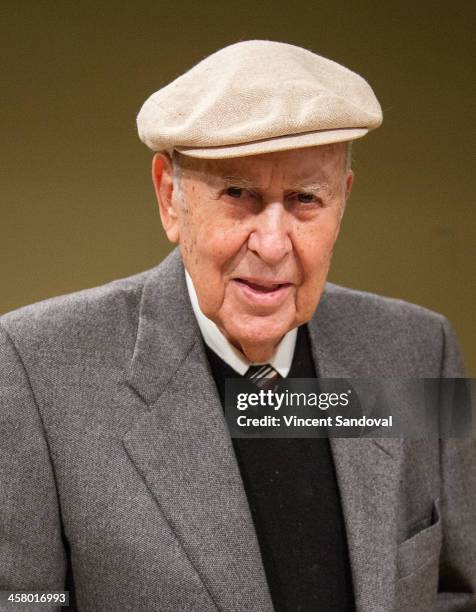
(119, 480)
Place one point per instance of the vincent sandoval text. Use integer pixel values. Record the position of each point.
(329, 421)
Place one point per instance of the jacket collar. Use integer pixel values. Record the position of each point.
(167, 329)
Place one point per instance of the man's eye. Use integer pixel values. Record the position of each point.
(306, 198)
(234, 192)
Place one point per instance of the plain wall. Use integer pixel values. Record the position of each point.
(77, 205)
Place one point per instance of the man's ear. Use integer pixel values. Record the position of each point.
(349, 181)
(162, 177)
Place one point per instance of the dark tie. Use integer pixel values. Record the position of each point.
(264, 376)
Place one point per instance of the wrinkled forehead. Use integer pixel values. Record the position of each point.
(320, 163)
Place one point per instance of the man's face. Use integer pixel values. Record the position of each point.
(256, 235)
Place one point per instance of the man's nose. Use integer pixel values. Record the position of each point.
(270, 238)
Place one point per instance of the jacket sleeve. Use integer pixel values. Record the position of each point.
(32, 556)
(457, 585)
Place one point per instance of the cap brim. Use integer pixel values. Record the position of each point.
(280, 143)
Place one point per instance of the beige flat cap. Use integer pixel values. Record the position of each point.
(258, 96)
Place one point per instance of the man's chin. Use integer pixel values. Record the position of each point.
(258, 353)
(258, 341)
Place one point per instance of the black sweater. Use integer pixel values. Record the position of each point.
(294, 500)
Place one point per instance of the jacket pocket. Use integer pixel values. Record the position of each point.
(419, 549)
(417, 567)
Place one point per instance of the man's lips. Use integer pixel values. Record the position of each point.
(265, 286)
(263, 292)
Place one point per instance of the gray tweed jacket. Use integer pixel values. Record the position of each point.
(117, 471)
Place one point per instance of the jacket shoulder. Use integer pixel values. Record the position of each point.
(374, 308)
(386, 336)
(101, 314)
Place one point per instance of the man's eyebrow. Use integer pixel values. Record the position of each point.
(239, 181)
(309, 187)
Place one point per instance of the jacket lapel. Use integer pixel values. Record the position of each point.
(367, 474)
(367, 470)
(182, 448)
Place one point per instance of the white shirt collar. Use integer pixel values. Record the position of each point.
(214, 339)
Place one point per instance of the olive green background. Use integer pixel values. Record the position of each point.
(77, 206)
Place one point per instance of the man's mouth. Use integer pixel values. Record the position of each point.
(262, 286)
(262, 293)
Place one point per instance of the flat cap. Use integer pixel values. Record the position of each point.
(258, 96)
